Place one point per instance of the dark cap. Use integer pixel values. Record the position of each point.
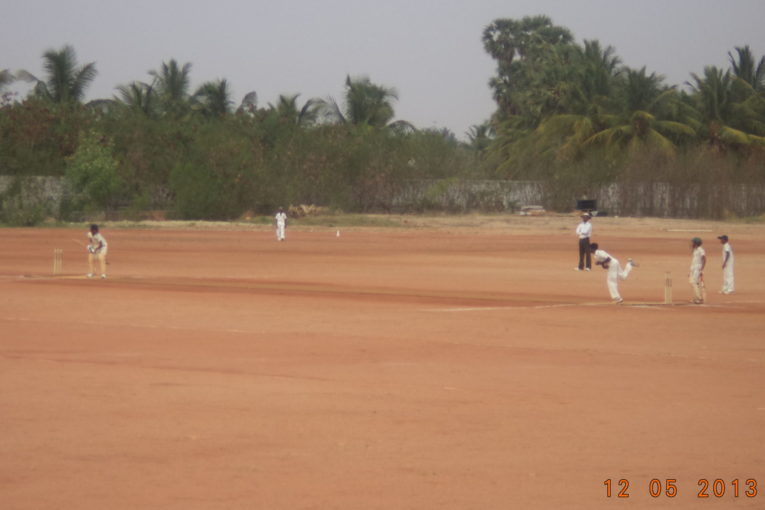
(696, 240)
(722, 237)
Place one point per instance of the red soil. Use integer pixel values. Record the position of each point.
(390, 369)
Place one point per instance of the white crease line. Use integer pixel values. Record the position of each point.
(494, 308)
(471, 309)
(645, 306)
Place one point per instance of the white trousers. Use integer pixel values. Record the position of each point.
(616, 273)
(697, 284)
(728, 285)
(280, 231)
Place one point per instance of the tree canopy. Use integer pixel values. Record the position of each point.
(568, 114)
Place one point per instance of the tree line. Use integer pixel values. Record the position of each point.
(573, 115)
(570, 115)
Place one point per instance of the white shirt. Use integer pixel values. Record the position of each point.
(601, 256)
(281, 217)
(584, 230)
(97, 241)
(698, 254)
(726, 248)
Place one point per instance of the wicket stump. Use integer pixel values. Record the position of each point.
(58, 261)
(668, 288)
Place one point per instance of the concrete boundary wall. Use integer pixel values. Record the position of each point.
(656, 199)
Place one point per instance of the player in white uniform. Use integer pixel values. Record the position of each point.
(615, 271)
(696, 273)
(727, 265)
(281, 224)
(97, 249)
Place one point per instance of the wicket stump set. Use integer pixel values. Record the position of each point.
(58, 261)
(668, 288)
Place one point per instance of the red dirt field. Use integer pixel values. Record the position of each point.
(459, 364)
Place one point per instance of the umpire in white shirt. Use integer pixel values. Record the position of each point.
(584, 231)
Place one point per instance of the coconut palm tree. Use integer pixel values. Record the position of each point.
(65, 82)
(213, 98)
(287, 110)
(746, 68)
(171, 83)
(597, 70)
(138, 97)
(480, 136)
(366, 104)
(727, 124)
(643, 122)
(748, 91)
(587, 101)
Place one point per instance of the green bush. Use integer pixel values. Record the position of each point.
(91, 172)
(24, 203)
(217, 178)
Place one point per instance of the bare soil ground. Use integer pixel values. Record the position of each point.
(458, 363)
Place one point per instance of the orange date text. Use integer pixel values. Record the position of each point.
(705, 488)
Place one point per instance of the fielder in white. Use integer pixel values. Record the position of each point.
(696, 273)
(727, 265)
(97, 249)
(281, 224)
(615, 271)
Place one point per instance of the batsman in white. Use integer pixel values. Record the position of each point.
(281, 224)
(97, 248)
(696, 273)
(727, 265)
(615, 271)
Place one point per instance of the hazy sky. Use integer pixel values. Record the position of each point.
(430, 51)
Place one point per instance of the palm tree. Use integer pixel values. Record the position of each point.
(713, 93)
(747, 69)
(644, 123)
(138, 97)
(597, 69)
(171, 84)
(748, 91)
(286, 109)
(214, 98)
(66, 81)
(726, 122)
(520, 48)
(366, 104)
(587, 101)
(480, 136)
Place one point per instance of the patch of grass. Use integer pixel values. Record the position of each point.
(129, 225)
(745, 219)
(261, 220)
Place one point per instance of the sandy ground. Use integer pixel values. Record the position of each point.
(457, 364)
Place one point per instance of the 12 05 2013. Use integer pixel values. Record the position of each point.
(670, 487)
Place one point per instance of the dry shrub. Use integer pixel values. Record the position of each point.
(304, 210)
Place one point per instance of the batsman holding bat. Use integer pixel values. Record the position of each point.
(97, 248)
(696, 273)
